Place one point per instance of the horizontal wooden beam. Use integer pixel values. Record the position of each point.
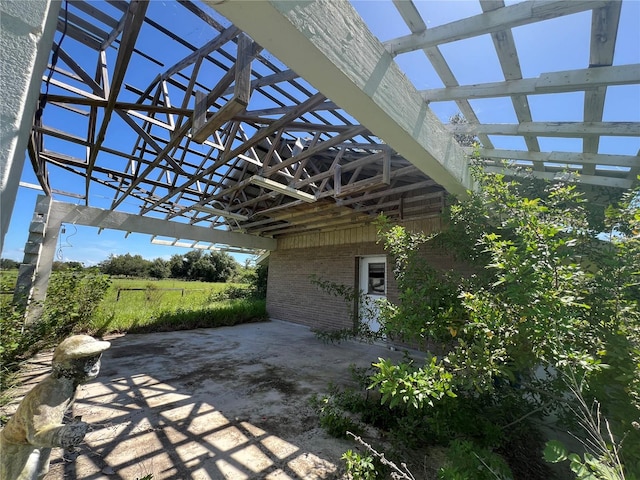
(568, 158)
(553, 82)
(550, 129)
(489, 22)
(268, 80)
(97, 217)
(586, 179)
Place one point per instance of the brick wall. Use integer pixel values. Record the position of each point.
(292, 297)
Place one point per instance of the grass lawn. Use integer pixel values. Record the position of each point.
(164, 305)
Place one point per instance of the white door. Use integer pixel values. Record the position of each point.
(373, 285)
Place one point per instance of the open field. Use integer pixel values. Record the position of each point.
(145, 305)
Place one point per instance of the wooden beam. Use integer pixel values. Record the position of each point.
(388, 192)
(202, 127)
(179, 135)
(505, 47)
(97, 217)
(321, 146)
(134, 18)
(553, 82)
(268, 80)
(150, 141)
(416, 24)
(91, 10)
(552, 129)
(86, 78)
(225, 36)
(79, 35)
(566, 158)
(604, 30)
(494, 21)
(373, 183)
(362, 79)
(277, 125)
(585, 179)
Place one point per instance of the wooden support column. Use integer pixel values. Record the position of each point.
(39, 251)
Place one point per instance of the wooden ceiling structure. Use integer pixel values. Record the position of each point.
(220, 133)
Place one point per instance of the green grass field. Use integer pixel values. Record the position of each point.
(7, 284)
(164, 305)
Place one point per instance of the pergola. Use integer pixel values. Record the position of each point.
(292, 116)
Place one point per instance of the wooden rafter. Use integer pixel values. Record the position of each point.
(131, 24)
(293, 134)
(552, 82)
(489, 22)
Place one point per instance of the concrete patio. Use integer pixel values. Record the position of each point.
(211, 404)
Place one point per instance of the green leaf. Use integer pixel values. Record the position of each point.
(554, 451)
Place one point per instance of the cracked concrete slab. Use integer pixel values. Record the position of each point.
(226, 403)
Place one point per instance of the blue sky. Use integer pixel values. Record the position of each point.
(552, 45)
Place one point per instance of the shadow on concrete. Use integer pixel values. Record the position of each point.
(219, 403)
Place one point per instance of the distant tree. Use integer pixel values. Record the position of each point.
(64, 266)
(159, 268)
(8, 264)
(224, 265)
(206, 267)
(129, 265)
(244, 274)
(465, 140)
(260, 281)
(181, 265)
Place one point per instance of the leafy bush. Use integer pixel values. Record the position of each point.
(333, 417)
(552, 309)
(359, 467)
(467, 460)
(72, 299)
(231, 292)
(555, 300)
(259, 282)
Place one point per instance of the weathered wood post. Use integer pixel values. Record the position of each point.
(39, 252)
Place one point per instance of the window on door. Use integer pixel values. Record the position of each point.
(376, 281)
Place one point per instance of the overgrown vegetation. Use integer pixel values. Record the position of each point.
(85, 301)
(73, 297)
(549, 323)
(361, 310)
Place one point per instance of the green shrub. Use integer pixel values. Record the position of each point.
(553, 299)
(360, 467)
(72, 299)
(333, 418)
(465, 460)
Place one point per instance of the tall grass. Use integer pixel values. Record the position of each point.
(166, 305)
(159, 306)
(7, 285)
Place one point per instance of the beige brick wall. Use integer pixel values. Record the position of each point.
(292, 297)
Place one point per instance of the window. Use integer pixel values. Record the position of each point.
(376, 279)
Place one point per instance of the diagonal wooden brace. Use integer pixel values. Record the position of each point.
(203, 128)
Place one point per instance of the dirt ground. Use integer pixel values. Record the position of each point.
(226, 403)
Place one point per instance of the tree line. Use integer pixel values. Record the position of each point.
(194, 265)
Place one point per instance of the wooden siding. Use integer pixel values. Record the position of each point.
(352, 235)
